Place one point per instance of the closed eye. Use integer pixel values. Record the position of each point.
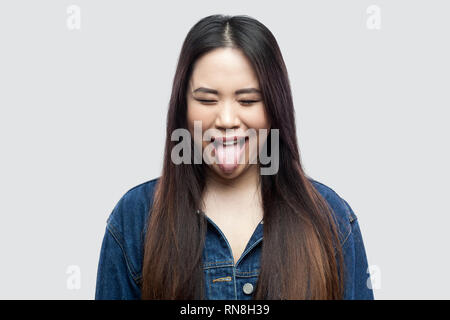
(248, 102)
(245, 102)
(206, 101)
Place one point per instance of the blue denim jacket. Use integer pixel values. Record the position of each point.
(120, 264)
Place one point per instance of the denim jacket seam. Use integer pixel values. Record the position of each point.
(351, 215)
(351, 230)
(218, 266)
(209, 284)
(250, 274)
(247, 272)
(217, 262)
(351, 219)
(254, 244)
(114, 233)
(347, 210)
(346, 238)
(234, 282)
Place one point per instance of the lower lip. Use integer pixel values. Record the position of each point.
(229, 168)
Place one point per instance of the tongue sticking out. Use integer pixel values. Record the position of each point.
(228, 156)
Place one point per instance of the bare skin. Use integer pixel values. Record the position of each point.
(231, 200)
(236, 209)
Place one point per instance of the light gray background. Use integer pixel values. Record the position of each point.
(82, 120)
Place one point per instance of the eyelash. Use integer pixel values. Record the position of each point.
(246, 102)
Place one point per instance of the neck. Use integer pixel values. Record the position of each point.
(247, 181)
(236, 194)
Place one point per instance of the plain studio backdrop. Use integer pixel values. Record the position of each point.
(84, 92)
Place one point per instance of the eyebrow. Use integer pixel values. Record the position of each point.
(240, 91)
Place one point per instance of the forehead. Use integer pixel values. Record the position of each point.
(224, 69)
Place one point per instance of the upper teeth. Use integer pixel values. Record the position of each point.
(231, 142)
(227, 143)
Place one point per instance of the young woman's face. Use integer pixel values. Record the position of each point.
(225, 110)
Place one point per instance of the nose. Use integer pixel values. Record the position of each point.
(227, 117)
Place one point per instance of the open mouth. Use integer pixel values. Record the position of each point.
(221, 142)
(229, 151)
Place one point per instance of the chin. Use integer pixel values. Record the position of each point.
(229, 174)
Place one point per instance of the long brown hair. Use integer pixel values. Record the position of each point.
(301, 254)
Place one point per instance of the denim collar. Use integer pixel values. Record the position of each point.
(218, 251)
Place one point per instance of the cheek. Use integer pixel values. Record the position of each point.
(256, 118)
(197, 113)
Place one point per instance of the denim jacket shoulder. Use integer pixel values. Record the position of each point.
(119, 271)
(342, 211)
(358, 285)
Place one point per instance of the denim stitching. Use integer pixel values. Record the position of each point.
(249, 275)
(112, 230)
(247, 272)
(216, 267)
(346, 238)
(351, 218)
(234, 280)
(210, 289)
(217, 262)
(248, 250)
(351, 215)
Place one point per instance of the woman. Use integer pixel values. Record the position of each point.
(197, 231)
